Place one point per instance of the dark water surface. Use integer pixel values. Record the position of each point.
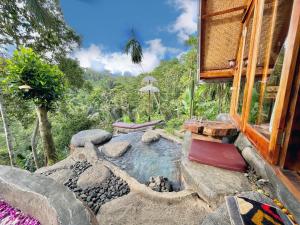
(142, 160)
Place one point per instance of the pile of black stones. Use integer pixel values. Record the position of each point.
(160, 184)
(94, 197)
(49, 172)
(110, 189)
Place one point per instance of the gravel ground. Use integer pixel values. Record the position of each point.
(99, 194)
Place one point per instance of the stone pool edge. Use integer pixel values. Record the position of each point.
(142, 189)
(146, 191)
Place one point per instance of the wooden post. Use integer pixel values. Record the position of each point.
(290, 118)
(267, 63)
(251, 70)
(149, 107)
(287, 75)
(192, 95)
(202, 11)
(238, 74)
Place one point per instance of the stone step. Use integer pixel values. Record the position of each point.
(212, 184)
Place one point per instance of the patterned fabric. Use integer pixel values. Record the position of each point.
(12, 216)
(244, 211)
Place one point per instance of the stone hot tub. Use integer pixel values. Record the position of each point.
(145, 160)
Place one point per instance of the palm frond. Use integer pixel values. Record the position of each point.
(134, 48)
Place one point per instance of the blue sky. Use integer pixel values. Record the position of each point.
(161, 26)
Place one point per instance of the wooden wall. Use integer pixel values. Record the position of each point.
(292, 160)
(293, 154)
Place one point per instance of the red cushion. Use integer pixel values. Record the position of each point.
(220, 155)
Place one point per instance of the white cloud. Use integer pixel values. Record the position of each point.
(186, 22)
(118, 62)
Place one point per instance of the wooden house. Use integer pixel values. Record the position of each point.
(255, 45)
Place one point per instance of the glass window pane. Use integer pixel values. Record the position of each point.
(264, 93)
(244, 64)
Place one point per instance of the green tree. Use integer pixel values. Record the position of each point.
(30, 78)
(6, 127)
(72, 71)
(134, 48)
(38, 24)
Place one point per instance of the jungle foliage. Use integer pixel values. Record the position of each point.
(64, 98)
(103, 98)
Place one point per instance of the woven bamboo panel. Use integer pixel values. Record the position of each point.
(281, 28)
(222, 33)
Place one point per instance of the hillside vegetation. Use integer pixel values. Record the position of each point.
(96, 100)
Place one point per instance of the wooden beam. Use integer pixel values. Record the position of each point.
(290, 118)
(258, 140)
(248, 12)
(259, 71)
(213, 74)
(254, 49)
(287, 74)
(199, 58)
(223, 12)
(229, 73)
(201, 32)
(267, 62)
(238, 74)
(291, 185)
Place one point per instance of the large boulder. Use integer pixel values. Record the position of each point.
(95, 136)
(116, 149)
(43, 198)
(93, 175)
(150, 136)
(61, 176)
(61, 169)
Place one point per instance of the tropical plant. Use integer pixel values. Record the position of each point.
(6, 127)
(134, 48)
(38, 24)
(30, 78)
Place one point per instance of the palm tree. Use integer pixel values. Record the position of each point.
(134, 48)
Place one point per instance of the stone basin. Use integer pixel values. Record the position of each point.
(145, 160)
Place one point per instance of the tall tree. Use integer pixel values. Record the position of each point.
(38, 24)
(7, 131)
(30, 78)
(134, 48)
(34, 143)
(72, 71)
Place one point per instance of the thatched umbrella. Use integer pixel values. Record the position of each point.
(148, 80)
(149, 89)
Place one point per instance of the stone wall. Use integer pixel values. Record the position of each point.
(266, 171)
(42, 198)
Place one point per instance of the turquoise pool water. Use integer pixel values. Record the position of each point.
(142, 160)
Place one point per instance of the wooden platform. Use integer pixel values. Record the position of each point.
(211, 128)
(205, 138)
